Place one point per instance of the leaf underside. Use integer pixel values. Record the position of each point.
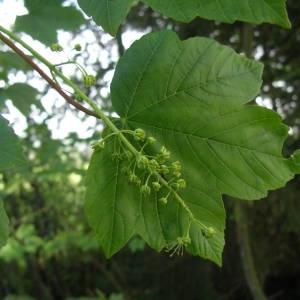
(191, 97)
(110, 13)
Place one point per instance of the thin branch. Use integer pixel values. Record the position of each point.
(51, 82)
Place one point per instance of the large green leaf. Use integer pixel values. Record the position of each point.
(3, 225)
(111, 204)
(110, 13)
(191, 97)
(57, 16)
(107, 13)
(11, 155)
(253, 11)
(22, 96)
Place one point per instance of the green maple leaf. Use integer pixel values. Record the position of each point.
(57, 16)
(190, 95)
(228, 11)
(110, 13)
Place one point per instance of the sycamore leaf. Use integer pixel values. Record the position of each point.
(110, 13)
(22, 96)
(3, 225)
(107, 13)
(57, 16)
(111, 205)
(191, 97)
(228, 11)
(11, 155)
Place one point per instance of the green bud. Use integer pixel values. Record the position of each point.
(181, 184)
(139, 134)
(209, 232)
(142, 162)
(145, 189)
(98, 145)
(163, 155)
(151, 140)
(156, 186)
(89, 80)
(163, 200)
(77, 47)
(134, 179)
(56, 48)
(153, 165)
(164, 169)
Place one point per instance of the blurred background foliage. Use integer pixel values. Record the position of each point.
(51, 252)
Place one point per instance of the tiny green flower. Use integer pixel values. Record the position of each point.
(151, 140)
(77, 47)
(156, 186)
(145, 189)
(139, 134)
(56, 48)
(89, 80)
(209, 232)
(98, 145)
(142, 162)
(181, 184)
(163, 200)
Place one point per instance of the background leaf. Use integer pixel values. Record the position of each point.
(3, 225)
(22, 96)
(196, 111)
(58, 17)
(11, 155)
(110, 13)
(253, 11)
(107, 13)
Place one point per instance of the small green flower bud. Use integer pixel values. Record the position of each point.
(77, 47)
(134, 179)
(56, 48)
(151, 140)
(142, 162)
(163, 154)
(181, 184)
(139, 134)
(164, 169)
(163, 200)
(98, 145)
(153, 165)
(89, 80)
(176, 166)
(145, 189)
(156, 186)
(209, 232)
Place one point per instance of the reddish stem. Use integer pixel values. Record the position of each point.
(52, 83)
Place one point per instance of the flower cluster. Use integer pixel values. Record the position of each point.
(151, 173)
